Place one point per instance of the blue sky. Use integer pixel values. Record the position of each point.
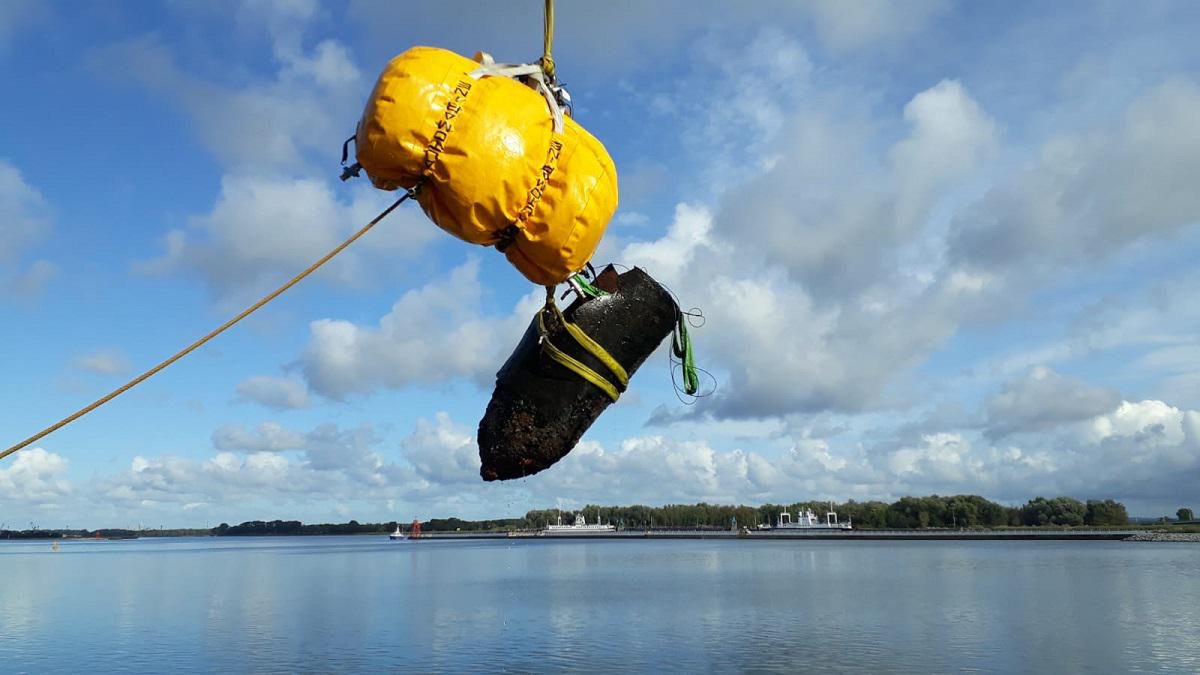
(941, 247)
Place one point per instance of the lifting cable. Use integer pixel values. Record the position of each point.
(214, 333)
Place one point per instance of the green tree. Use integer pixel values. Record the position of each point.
(1062, 511)
(1105, 513)
(1184, 514)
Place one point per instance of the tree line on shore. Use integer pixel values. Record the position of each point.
(958, 511)
(965, 511)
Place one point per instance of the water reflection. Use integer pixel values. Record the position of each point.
(366, 604)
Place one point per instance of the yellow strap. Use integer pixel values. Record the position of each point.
(215, 332)
(571, 363)
(589, 345)
(597, 351)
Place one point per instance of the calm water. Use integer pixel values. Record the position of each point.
(366, 604)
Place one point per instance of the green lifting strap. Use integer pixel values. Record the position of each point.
(681, 346)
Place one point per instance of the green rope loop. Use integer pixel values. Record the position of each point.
(681, 346)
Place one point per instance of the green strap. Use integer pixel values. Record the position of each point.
(681, 345)
(586, 286)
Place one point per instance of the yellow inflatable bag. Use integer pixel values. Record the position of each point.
(497, 163)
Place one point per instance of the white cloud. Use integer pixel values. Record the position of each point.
(668, 259)
(104, 362)
(34, 476)
(1145, 452)
(277, 393)
(274, 137)
(443, 452)
(269, 125)
(1090, 193)
(1154, 422)
(836, 270)
(263, 230)
(849, 25)
(266, 465)
(25, 219)
(729, 123)
(23, 212)
(267, 437)
(838, 216)
(1044, 399)
(432, 334)
(950, 136)
(942, 456)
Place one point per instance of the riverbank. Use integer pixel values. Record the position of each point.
(1191, 537)
(815, 535)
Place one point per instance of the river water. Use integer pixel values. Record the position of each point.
(366, 604)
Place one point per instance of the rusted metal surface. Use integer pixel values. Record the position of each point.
(539, 409)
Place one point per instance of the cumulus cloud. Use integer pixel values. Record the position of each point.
(783, 351)
(277, 393)
(269, 125)
(828, 236)
(104, 362)
(1090, 193)
(325, 448)
(1126, 454)
(267, 464)
(277, 210)
(1044, 399)
(263, 230)
(836, 215)
(1144, 452)
(845, 247)
(266, 437)
(34, 475)
(443, 452)
(432, 334)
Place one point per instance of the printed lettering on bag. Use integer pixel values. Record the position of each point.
(437, 145)
(539, 188)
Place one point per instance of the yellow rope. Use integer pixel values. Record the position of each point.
(221, 329)
(548, 41)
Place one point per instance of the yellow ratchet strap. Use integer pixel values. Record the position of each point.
(589, 345)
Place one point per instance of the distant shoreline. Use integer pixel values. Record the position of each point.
(1010, 534)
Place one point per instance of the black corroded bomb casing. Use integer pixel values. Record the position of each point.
(539, 409)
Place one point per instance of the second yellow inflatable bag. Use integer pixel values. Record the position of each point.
(492, 169)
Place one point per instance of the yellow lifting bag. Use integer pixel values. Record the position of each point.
(492, 168)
